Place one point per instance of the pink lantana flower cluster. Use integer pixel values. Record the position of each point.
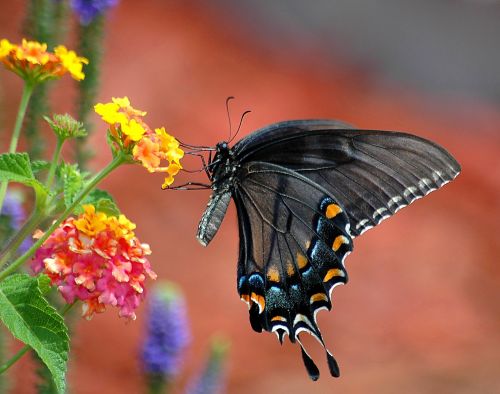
(97, 259)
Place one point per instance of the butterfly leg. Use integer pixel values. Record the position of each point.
(185, 186)
(205, 167)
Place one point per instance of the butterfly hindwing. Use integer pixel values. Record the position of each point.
(293, 239)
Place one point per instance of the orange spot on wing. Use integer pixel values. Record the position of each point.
(318, 297)
(278, 318)
(245, 298)
(259, 300)
(333, 273)
(290, 270)
(332, 210)
(337, 243)
(301, 260)
(273, 274)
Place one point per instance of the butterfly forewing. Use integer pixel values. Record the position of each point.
(372, 174)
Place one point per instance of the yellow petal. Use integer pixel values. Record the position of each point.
(123, 102)
(5, 47)
(109, 112)
(133, 129)
(71, 61)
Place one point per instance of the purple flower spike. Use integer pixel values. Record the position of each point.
(167, 332)
(87, 10)
(12, 218)
(13, 209)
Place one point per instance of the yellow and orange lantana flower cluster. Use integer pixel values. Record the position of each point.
(32, 62)
(131, 134)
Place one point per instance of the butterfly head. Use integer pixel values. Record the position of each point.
(222, 148)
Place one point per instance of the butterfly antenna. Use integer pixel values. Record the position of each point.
(229, 115)
(196, 148)
(239, 126)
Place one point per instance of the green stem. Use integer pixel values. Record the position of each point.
(66, 308)
(14, 359)
(117, 161)
(55, 161)
(35, 219)
(25, 348)
(25, 98)
(4, 381)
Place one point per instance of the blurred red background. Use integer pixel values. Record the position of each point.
(421, 311)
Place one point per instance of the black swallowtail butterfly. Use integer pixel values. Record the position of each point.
(303, 191)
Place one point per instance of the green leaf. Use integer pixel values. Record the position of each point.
(39, 165)
(16, 167)
(45, 383)
(103, 202)
(108, 207)
(32, 320)
(44, 284)
(97, 194)
(72, 182)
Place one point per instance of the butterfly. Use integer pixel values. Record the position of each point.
(303, 191)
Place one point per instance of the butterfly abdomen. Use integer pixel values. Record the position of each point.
(212, 217)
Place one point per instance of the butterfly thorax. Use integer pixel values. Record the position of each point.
(224, 167)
